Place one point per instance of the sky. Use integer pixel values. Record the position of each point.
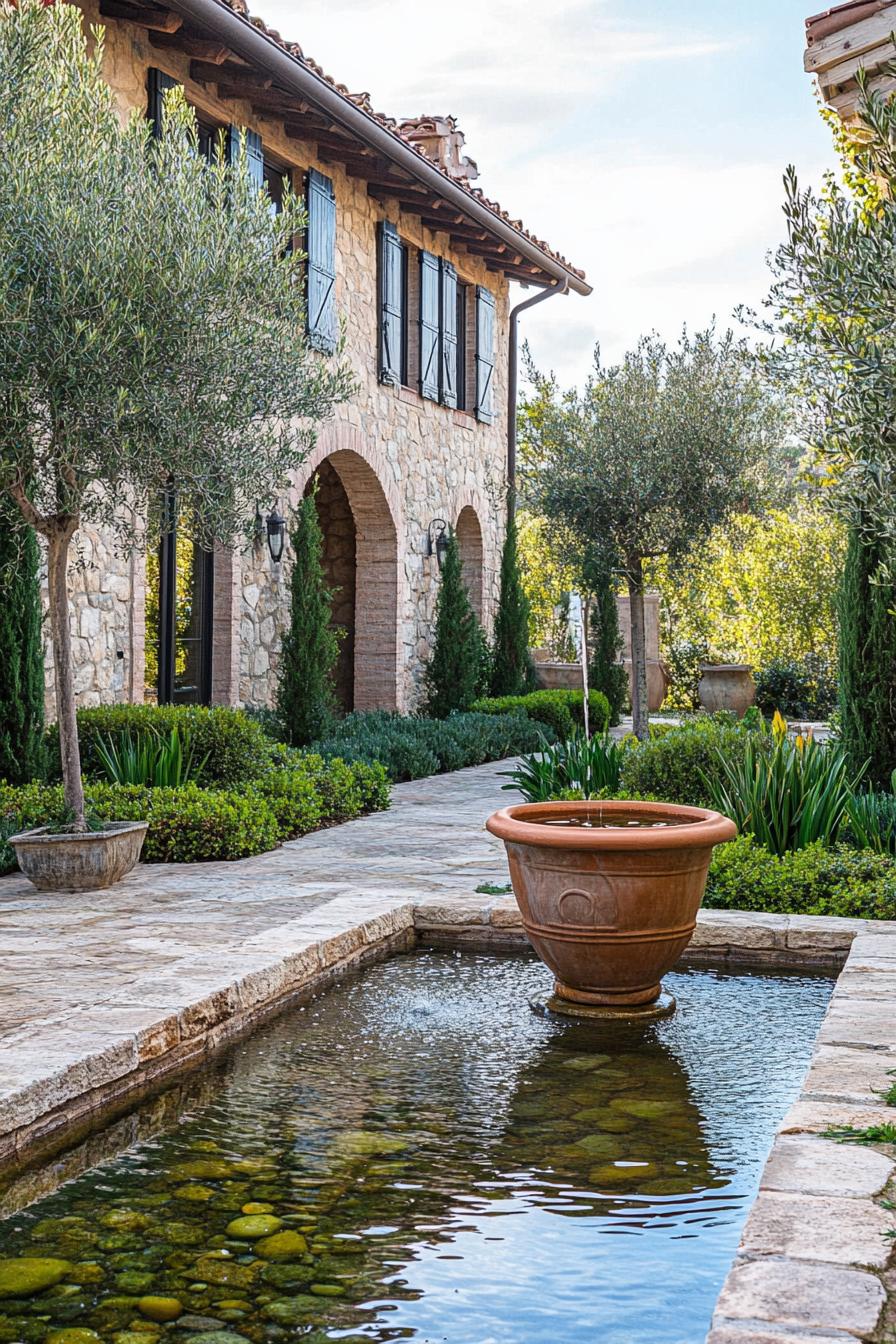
(644, 139)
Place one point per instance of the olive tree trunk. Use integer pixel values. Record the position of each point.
(59, 535)
(635, 576)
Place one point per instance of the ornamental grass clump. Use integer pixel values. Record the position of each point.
(872, 820)
(580, 767)
(789, 797)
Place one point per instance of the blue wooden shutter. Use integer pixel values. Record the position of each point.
(157, 85)
(391, 304)
(320, 204)
(449, 335)
(485, 355)
(254, 155)
(429, 325)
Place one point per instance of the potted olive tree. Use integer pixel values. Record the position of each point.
(152, 339)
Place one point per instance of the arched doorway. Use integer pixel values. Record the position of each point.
(338, 556)
(469, 543)
(360, 558)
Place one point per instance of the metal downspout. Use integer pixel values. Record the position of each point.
(512, 385)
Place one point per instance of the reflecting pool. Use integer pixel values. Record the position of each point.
(417, 1156)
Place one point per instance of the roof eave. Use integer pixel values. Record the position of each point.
(259, 48)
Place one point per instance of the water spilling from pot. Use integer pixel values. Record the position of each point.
(415, 1156)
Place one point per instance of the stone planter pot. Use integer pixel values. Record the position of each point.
(609, 892)
(727, 686)
(79, 861)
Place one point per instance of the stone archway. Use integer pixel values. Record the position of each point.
(361, 561)
(469, 542)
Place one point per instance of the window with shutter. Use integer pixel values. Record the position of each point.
(461, 347)
(485, 354)
(254, 155)
(448, 387)
(320, 206)
(392, 276)
(430, 284)
(157, 85)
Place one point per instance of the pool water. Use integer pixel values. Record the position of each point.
(424, 1158)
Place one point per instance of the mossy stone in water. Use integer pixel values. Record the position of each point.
(134, 1281)
(286, 1276)
(31, 1274)
(326, 1290)
(292, 1310)
(126, 1220)
(257, 1208)
(160, 1308)
(88, 1272)
(368, 1143)
(133, 1337)
(282, 1246)
(225, 1273)
(194, 1192)
(606, 1119)
(74, 1336)
(632, 1174)
(597, 1145)
(586, 1062)
(215, 1337)
(254, 1226)
(644, 1108)
(204, 1169)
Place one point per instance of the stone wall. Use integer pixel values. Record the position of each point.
(402, 461)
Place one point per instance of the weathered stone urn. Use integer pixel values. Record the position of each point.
(79, 860)
(609, 891)
(727, 686)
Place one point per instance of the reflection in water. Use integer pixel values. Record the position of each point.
(421, 1157)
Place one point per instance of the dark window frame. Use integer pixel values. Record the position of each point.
(205, 581)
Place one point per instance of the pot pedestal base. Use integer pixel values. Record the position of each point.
(546, 1004)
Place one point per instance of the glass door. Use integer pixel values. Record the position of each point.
(180, 593)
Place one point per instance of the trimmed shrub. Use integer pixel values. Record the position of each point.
(562, 711)
(856, 884)
(512, 671)
(233, 743)
(186, 825)
(806, 689)
(679, 764)
(453, 675)
(306, 698)
(21, 656)
(412, 748)
(196, 825)
(867, 664)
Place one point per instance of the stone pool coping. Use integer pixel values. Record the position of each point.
(811, 1266)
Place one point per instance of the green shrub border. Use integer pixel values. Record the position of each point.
(561, 710)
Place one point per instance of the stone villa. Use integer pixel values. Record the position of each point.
(416, 265)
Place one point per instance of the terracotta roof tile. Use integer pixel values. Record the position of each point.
(362, 101)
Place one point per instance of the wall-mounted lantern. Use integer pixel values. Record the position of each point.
(437, 540)
(274, 528)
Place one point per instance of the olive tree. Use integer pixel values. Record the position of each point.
(152, 325)
(651, 456)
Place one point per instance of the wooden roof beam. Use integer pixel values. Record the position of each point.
(207, 72)
(203, 48)
(154, 17)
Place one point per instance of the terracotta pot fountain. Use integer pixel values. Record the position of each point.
(609, 892)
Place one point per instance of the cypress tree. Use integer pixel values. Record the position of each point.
(512, 672)
(21, 654)
(306, 697)
(605, 672)
(453, 675)
(867, 665)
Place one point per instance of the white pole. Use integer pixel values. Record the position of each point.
(578, 616)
